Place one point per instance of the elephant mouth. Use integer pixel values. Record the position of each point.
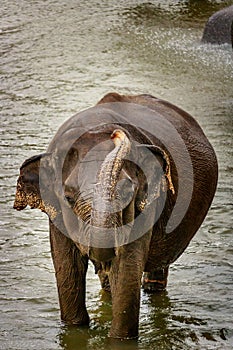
(103, 255)
(18, 206)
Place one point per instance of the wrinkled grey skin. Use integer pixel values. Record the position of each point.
(120, 266)
(219, 28)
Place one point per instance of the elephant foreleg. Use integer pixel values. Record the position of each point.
(70, 268)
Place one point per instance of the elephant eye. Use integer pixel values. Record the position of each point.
(70, 200)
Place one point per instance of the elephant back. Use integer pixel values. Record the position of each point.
(219, 27)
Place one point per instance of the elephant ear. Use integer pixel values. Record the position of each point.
(156, 175)
(159, 152)
(28, 187)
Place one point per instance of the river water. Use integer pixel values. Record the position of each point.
(59, 57)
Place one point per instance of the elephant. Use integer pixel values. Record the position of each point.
(219, 27)
(126, 184)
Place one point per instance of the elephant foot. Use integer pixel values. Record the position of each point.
(81, 321)
(155, 281)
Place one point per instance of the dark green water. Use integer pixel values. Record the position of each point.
(59, 57)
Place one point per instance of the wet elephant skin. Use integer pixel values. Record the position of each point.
(219, 27)
(120, 266)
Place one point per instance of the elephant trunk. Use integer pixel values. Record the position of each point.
(106, 215)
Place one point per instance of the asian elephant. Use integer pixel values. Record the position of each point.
(219, 27)
(125, 184)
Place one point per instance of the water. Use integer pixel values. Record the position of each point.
(59, 57)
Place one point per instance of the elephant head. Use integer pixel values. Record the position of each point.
(99, 207)
(108, 199)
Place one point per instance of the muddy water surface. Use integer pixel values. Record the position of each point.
(59, 57)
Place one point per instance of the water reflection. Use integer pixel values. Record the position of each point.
(95, 336)
(162, 326)
(76, 339)
(73, 338)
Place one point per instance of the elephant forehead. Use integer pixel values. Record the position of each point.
(85, 172)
